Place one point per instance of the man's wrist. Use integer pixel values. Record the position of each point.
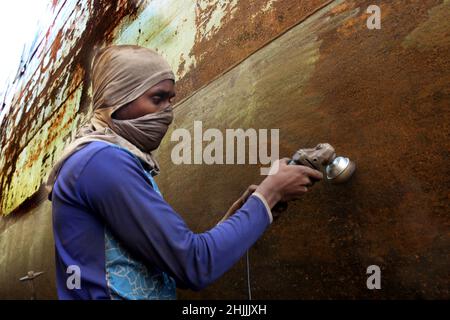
(270, 196)
(266, 205)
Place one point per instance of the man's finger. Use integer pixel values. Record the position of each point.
(308, 182)
(310, 172)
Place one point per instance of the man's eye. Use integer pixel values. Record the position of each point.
(156, 100)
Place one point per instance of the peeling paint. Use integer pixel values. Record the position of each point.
(169, 31)
(52, 79)
(209, 16)
(50, 137)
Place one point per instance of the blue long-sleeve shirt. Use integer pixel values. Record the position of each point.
(118, 238)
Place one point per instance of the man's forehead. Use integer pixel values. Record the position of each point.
(166, 86)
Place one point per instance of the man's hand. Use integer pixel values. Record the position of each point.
(288, 183)
(239, 202)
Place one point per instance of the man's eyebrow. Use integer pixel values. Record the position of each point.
(162, 92)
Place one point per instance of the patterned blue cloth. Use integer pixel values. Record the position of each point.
(130, 279)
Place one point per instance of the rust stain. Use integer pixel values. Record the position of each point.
(390, 96)
(340, 8)
(181, 66)
(420, 37)
(56, 45)
(357, 23)
(238, 37)
(380, 101)
(204, 15)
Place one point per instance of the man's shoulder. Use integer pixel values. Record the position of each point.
(87, 152)
(94, 147)
(98, 153)
(90, 149)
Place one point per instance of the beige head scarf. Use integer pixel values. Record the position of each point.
(120, 74)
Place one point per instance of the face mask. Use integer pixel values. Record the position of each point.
(145, 132)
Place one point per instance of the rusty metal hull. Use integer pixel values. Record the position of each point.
(310, 68)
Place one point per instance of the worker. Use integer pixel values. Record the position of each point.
(115, 235)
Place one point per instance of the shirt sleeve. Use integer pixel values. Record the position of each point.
(113, 185)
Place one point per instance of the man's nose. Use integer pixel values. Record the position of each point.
(165, 105)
